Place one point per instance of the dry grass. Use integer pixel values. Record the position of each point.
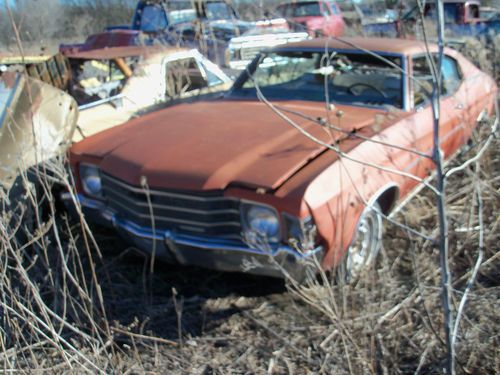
(65, 308)
(73, 298)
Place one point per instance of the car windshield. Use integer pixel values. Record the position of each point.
(218, 11)
(153, 18)
(351, 78)
(306, 9)
(180, 16)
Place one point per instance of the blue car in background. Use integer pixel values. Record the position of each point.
(207, 25)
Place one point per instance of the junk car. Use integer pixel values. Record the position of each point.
(318, 18)
(242, 50)
(298, 163)
(206, 25)
(37, 122)
(113, 84)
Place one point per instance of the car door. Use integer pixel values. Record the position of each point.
(452, 109)
(189, 74)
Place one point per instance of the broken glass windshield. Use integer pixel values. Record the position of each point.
(348, 78)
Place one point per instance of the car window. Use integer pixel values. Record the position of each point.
(422, 88)
(423, 81)
(307, 9)
(325, 9)
(473, 11)
(451, 75)
(302, 10)
(218, 11)
(153, 18)
(350, 78)
(97, 79)
(212, 78)
(180, 16)
(334, 8)
(183, 76)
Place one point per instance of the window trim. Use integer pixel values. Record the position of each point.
(406, 99)
(412, 90)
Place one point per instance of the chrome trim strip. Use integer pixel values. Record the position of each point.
(180, 221)
(84, 201)
(99, 102)
(173, 208)
(166, 194)
(207, 244)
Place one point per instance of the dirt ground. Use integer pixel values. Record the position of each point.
(185, 320)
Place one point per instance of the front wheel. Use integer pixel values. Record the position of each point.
(364, 247)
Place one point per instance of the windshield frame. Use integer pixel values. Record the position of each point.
(219, 4)
(252, 67)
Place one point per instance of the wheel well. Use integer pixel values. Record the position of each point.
(388, 198)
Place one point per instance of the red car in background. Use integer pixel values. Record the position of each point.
(319, 18)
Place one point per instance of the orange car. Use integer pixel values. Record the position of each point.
(242, 184)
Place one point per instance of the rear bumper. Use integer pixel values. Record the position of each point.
(212, 253)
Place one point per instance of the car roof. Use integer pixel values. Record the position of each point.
(122, 52)
(374, 44)
(474, 2)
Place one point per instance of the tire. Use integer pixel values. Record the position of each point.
(364, 247)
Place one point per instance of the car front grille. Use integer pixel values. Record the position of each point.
(192, 213)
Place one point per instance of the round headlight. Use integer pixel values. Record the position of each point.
(263, 221)
(91, 180)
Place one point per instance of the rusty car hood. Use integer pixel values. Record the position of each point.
(211, 145)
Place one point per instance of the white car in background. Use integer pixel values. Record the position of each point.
(160, 75)
(267, 34)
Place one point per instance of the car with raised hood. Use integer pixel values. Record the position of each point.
(235, 184)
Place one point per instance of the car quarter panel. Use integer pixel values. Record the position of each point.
(340, 187)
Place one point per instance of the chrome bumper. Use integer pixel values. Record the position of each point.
(217, 254)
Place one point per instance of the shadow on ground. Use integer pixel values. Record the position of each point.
(174, 300)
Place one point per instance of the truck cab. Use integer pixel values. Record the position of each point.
(158, 16)
(318, 18)
(206, 25)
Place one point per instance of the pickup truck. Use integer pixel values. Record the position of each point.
(318, 18)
